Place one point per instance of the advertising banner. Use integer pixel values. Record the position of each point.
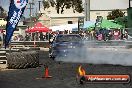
(16, 10)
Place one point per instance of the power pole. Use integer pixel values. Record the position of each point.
(87, 12)
(39, 5)
(36, 12)
(30, 8)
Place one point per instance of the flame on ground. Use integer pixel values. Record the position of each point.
(81, 71)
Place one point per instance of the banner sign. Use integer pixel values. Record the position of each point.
(16, 10)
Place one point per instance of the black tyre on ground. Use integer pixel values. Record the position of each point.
(22, 60)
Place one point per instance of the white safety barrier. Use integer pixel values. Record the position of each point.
(3, 59)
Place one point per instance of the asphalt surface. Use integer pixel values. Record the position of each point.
(63, 75)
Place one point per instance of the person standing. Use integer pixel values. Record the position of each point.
(27, 37)
(41, 37)
(116, 35)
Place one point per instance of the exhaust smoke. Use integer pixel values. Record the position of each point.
(92, 53)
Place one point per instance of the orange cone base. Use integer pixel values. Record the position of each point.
(47, 77)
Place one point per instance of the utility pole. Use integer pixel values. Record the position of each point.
(30, 8)
(39, 5)
(36, 12)
(87, 12)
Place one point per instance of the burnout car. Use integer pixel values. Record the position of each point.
(63, 44)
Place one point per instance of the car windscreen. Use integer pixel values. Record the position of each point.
(68, 38)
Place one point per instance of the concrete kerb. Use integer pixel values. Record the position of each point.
(44, 49)
(6, 69)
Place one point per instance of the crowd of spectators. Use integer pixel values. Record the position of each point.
(100, 35)
(34, 37)
(105, 35)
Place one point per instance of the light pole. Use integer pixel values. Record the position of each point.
(39, 5)
(31, 8)
(87, 12)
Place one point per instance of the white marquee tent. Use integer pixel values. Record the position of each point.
(64, 27)
(72, 27)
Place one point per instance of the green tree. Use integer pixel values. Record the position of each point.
(115, 14)
(61, 4)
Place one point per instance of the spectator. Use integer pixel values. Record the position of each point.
(92, 34)
(116, 35)
(109, 35)
(47, 36)
(3, 38)
(36, 36)
(27, 37)
(20, 38)
(15, 38)
(125, 35)
(100, 36)
(41, 36)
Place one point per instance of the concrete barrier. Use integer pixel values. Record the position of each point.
(128, 44)
(44, 44)
(105, 44)
(3, 59)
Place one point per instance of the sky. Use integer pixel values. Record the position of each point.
(5, 4)
(95, 5)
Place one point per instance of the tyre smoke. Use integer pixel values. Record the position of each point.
(99, 54)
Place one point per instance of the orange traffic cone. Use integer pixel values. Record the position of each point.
(46, 74)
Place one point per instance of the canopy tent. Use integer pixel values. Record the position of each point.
(38, 28)
(64, 27)
(88, 24)
(109, 25)
(85, 26)
(29, 29)
(38, 24)
(57, 28)
(71, 27)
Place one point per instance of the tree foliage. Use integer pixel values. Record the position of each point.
(61, 4)
(115, 14)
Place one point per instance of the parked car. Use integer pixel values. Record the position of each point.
(63, 44)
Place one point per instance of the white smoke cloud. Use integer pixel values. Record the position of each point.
(88, 54)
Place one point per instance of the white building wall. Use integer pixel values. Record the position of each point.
(62, 21)
(103, 7)
(108, 4)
